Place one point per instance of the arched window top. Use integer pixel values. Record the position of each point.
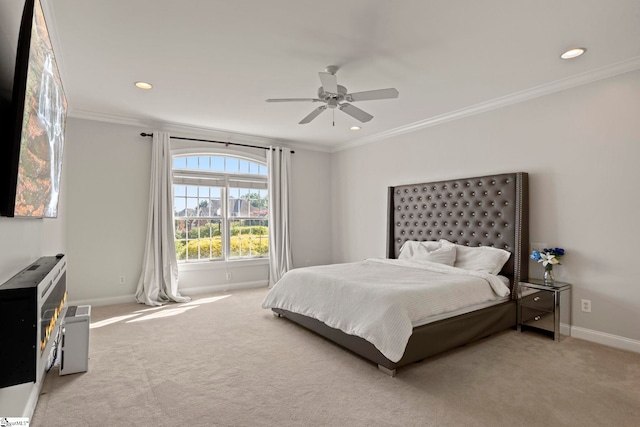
(219, 163)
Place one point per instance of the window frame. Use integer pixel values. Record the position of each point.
(224, 180)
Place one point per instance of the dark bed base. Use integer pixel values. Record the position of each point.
(490, 210)
(426, 341)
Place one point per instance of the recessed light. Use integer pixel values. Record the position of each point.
(573, 53)
(354, 128)
(143, 85)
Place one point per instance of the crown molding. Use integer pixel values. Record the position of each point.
(612, 70)
(192, 131)
(622, 67)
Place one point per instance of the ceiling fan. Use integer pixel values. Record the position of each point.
(336, 96)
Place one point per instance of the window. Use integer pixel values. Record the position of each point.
(221, 208)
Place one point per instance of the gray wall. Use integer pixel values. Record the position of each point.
(108, 185)
(581, 148)
(22, 240)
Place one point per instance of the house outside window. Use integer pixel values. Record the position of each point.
(221, 208)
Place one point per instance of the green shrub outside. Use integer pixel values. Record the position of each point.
(244, 245)
(213, 230)
(249, 246)
(255, 230)
(180, 250)
(209, 248)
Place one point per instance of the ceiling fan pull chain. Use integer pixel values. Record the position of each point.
(333, 113)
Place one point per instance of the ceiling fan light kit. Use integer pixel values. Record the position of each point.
(337, 96)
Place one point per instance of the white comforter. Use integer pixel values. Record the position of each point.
(380, 299)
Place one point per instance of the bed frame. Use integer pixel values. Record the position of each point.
(483, 211)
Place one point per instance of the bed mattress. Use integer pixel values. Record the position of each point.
(382, 300)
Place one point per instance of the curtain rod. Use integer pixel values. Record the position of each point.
(215, 142)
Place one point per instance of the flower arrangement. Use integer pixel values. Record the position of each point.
(548, 258)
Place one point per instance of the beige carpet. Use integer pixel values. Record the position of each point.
(227, 362)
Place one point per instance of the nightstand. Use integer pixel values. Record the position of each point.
(545, 308)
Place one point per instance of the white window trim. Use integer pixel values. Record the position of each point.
(213, 152)
(215, 264)
(221, 265)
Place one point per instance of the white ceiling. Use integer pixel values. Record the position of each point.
(213, 63)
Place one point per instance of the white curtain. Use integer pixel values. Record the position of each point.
(279, 165)
(158, 282)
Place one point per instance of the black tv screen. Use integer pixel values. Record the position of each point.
(34, 124)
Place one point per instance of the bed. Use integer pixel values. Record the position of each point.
(482, 212)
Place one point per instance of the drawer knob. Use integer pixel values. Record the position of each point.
(536, 299)
(536, 318)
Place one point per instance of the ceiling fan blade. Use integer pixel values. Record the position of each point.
(329, 82)
(293, 100)
(356, 113)
(371, 95)
(313, 114)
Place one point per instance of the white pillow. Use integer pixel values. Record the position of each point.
(480, 258)
(445, 255)
(428, 251)
(413, 248)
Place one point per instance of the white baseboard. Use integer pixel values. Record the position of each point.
(606, 339)
(123, 299)
(223, 288)
(20, 400)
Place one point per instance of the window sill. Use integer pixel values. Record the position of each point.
(215, 265)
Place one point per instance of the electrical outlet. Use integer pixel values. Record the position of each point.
(228, 276)
(586, 305)
(122, 280)
(307, 263)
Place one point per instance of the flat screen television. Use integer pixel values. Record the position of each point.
(33, 122)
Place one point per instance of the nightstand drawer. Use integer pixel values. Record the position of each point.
(540, 300)
(532, 316)
(545, 307)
